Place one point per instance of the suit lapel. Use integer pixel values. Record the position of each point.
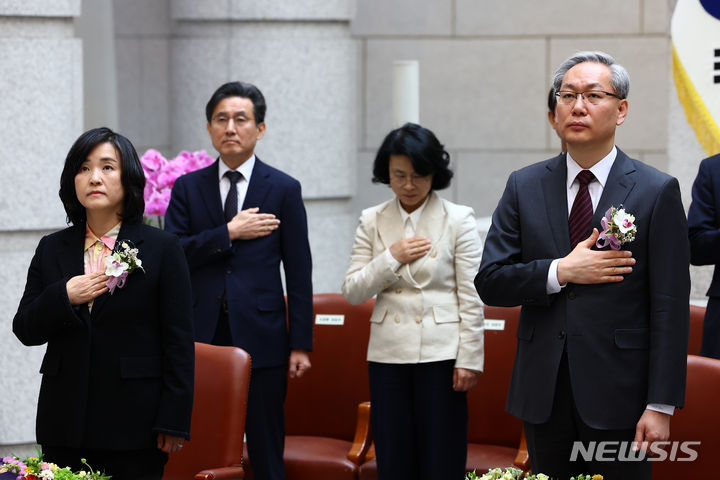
(554, 185)
(209, 188)
(617, 187)
(389, 224)
(71, 258)
(430, 225)
(259, 186)
(132, 232)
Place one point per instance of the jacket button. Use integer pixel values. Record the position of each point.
(561, 334)
(418, 319)
(397, 318)
(399, 290)
(228, 272)
(433, 254)
(572, 295)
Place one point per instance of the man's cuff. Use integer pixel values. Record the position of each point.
(552, 285)
(662, 408)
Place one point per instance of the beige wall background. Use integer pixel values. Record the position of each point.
(325, 67)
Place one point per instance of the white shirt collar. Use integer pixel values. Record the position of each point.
(246, 168)
(415, 215)
(601, 169)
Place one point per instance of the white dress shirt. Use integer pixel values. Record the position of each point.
(246, 170)
(410, 221)
(601, 170)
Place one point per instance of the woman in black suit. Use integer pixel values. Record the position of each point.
(117, 383)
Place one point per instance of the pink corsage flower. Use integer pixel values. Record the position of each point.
(618, 227)
(121, 263)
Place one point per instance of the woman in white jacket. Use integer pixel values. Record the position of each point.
(419, 254)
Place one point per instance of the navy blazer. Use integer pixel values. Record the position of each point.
(247, 272)
(115, 376)
(704, 220)
(626, 341)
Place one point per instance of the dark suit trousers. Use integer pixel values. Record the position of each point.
(550, 444)
(121, 465)
(711, 329)
(419, 422)
(265, 419)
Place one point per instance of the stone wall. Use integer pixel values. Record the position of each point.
(41, 115)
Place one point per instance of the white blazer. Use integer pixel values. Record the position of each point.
(427, 310)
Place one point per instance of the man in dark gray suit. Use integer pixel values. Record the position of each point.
(602, 339)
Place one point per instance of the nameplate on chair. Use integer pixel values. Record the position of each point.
(494, 324)
(327, 319)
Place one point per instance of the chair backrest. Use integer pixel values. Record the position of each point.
(222, 376)
(324, 401)
(697, 318)
(698, 421)
(488, 422)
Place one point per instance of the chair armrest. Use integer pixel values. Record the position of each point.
(371, 453)
(363, 435)
(522, 459)
(234, 472)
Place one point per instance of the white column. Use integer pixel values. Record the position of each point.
(95, 27)
(406, 92)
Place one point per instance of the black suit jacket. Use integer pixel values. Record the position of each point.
(115, 377)
(626, 341)
(704, 220)
(247, 272)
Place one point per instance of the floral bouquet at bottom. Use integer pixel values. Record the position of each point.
(34, 468)
(512, 473)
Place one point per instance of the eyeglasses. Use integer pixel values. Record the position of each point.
(415, 179)
(568, 97)
(222, 121)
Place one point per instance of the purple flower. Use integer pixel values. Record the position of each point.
(153, 161)
(157, 203)
(161, 174)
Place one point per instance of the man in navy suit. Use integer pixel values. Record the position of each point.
(602, 339)
(704, 230)
(238, 220)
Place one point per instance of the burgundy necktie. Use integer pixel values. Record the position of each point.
(582, 210)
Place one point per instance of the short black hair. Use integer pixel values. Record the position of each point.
(238, 89)
(421, 146)
(131, 176)
(552, 100)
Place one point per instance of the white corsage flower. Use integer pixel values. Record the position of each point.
(121, 263)
(618, 227)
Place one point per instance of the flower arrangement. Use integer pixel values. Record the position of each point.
(618, 228)
(512, 473)
(121, 263)
(34, 468)
(160, 176)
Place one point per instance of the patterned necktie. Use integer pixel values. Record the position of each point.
(582, 210)
(231, 202)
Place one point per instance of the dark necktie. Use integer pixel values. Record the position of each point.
(231, 202)
(582, 210)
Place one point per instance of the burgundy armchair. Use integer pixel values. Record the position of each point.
(697, 318)
(222, 376)
(696, 422)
